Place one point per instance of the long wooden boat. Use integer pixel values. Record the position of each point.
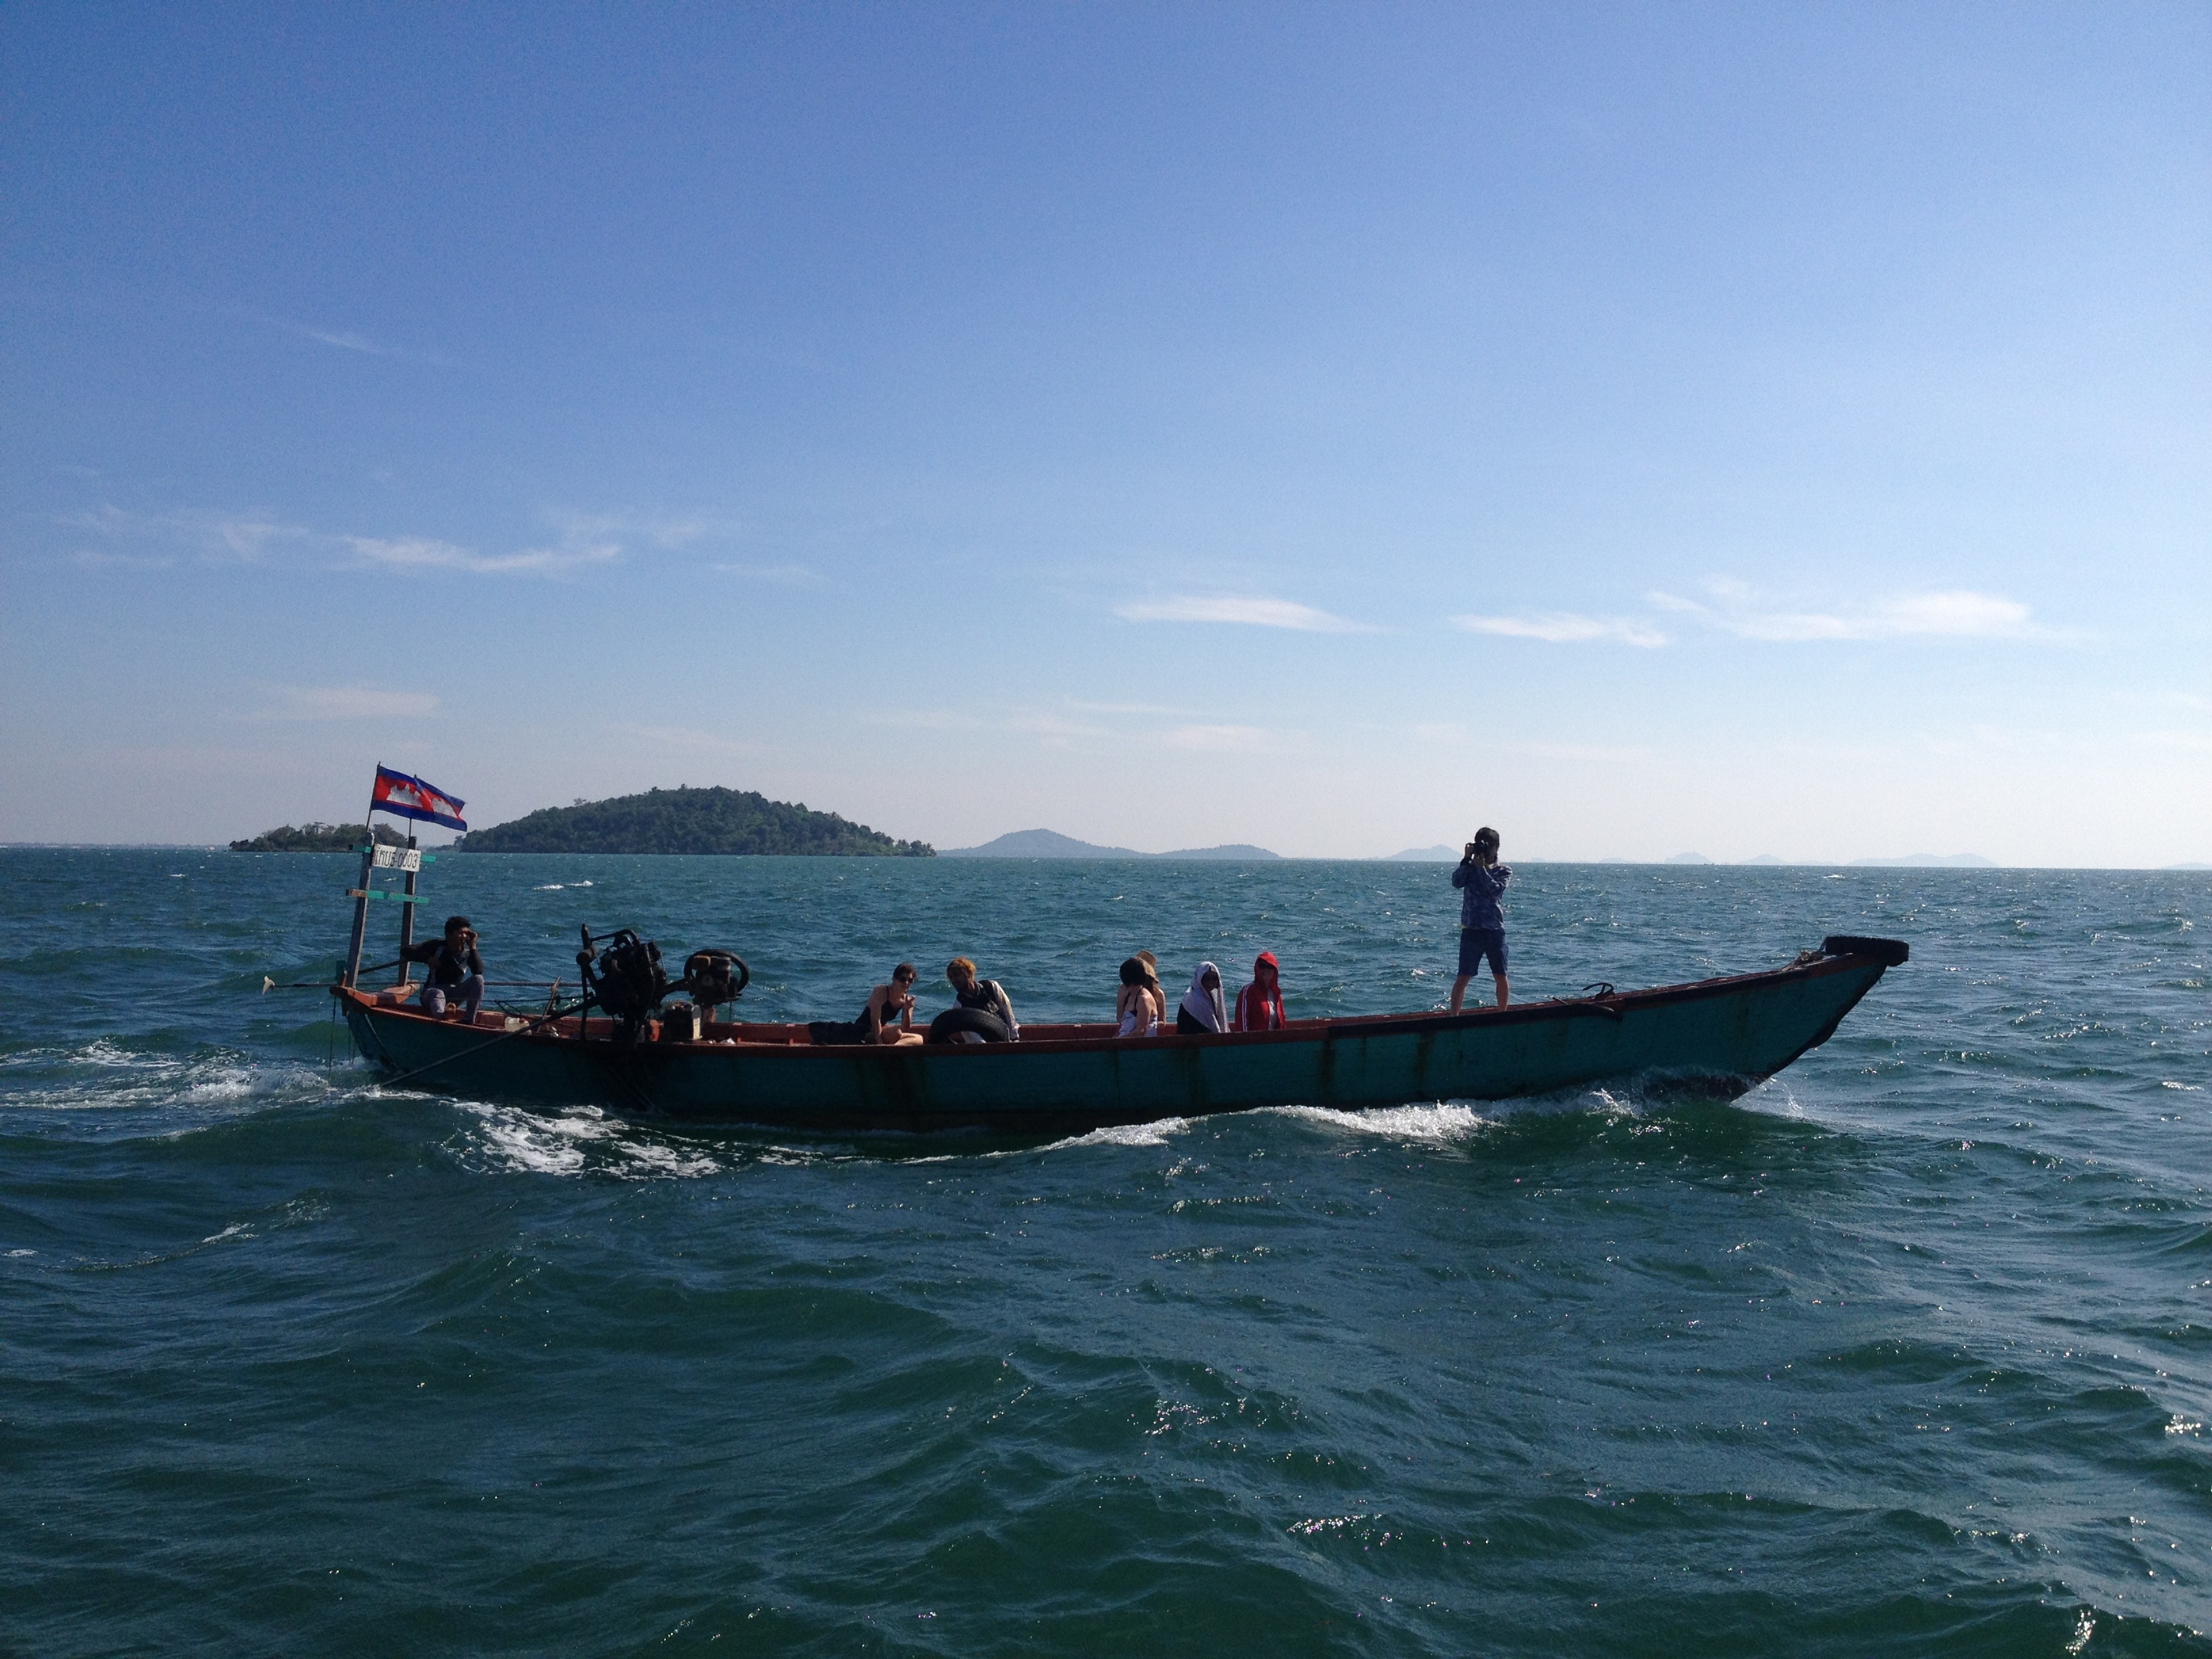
(1716, 1038)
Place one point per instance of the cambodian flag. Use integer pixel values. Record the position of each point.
(411, 797)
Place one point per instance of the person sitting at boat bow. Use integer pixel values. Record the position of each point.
(1481, 880)
(1203, 1009)
(1136, 1010)
(889, 1017)
(1260, 1005)
(456, 971)
(985, 996)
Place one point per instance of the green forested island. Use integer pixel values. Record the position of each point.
(316, 838)
(729, 821)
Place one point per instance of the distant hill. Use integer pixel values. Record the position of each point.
(1928, 861)
(1689, 858)
(735, 822)
(1439, 853)
(1051, 844)
(316, 838)
(1039, 844)
(1762, 857)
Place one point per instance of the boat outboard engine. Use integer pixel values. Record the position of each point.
(712, 977)
(626, 979)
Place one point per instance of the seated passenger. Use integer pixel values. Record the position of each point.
(984, 995)
(1136, 1011)
(1260, 1005)
(457, 972)
(889, 1017)
(1152, 981)
(1202, 1007)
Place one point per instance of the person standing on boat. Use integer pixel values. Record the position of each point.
(1260, 1005)
(889, 1017)
(457, 972)
(987, 995)
(1202, 1007)
(1481, 880)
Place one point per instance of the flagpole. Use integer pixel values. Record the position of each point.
(406, 921)
(350, 969)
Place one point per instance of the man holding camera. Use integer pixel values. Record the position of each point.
(457, 972)
(1481, 880)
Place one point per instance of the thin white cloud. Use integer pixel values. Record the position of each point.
(1216, 739)
(1950, 613)
(102, 558)
(349, 339)
(578, 541)
(921, 719)
(781, 575)
(660, 530)
(245, 538)
(424, 553)
(1566, 627)
(345, 702)
(684, 739)
(344, 340)
(1249, 612)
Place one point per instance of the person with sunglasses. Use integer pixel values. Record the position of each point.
(889, 1017)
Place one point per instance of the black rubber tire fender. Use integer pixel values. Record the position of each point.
(954, 1021)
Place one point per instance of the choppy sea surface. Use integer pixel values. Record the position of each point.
(1909, 1351)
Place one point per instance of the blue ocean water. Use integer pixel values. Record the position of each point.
(1909, 1351)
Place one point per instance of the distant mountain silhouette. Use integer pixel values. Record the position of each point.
(1439, 853)
(1051, 844)
(1689, 858)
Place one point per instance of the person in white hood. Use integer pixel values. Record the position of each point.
(1203, 1008)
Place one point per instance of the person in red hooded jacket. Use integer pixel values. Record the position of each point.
(1260, 1005)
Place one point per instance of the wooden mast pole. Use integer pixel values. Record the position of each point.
(406, 923)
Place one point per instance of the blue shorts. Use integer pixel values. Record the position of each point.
(1475, 943)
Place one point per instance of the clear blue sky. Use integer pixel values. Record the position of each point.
(1745, 429)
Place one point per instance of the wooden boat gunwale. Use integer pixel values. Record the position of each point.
(1083, 1075)
(1611, 1006)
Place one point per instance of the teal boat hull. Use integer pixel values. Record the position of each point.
(1716, 1038)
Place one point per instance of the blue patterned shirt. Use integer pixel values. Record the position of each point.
(1478, 908)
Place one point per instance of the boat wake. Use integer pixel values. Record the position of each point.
(1440, 1121)
(1155, 1134)
(586, 1141)
(104, 1076)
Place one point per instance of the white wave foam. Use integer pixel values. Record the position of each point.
(103, 1076)
(586, 1141)
(1442, 1122)
(550, 887)
(1125, 1134)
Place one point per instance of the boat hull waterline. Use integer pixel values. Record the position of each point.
(1715, 1037)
